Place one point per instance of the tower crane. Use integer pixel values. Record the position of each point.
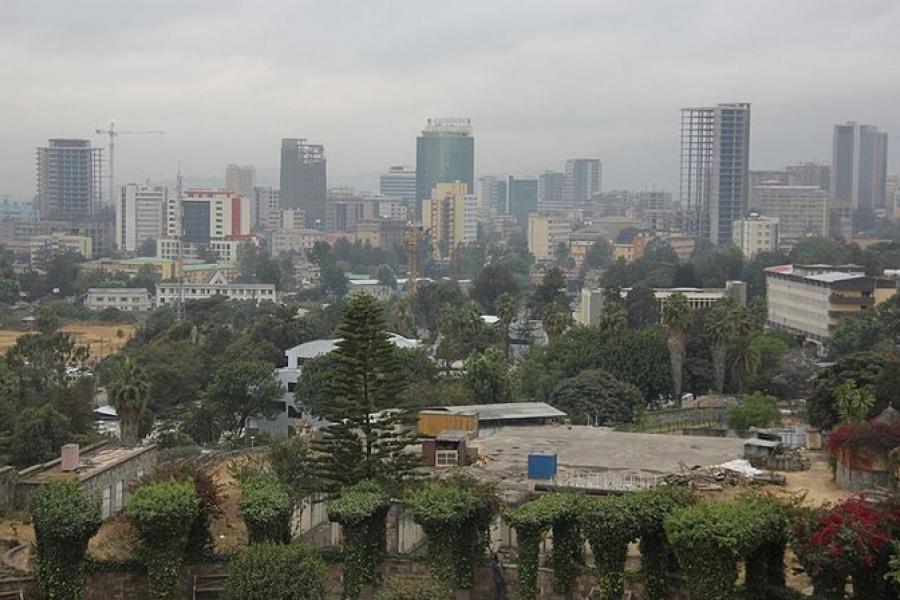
(113, 133)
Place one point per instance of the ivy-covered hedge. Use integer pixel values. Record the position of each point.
(361, 509)
(650, 509)
(560, 513)
(414, 589)
(455, 515)
(162, 514)
(65, 519)
(277, 572)
(610, 525)
(266, 508)
(710, 538)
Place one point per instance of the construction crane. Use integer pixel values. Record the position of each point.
(113, 133)
(411, 240)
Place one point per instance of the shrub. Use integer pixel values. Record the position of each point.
(65, 519)
(276, 572)
(361, 509)
(709, 538)
(757, 410)
(267, 509)
(610, 525)
(162, 514)
(650, 509)
(852, 539)
(208, 496)
(455, 515)
(561, 513)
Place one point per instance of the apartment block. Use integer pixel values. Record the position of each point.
(756, 234)
(801, 210)
(546, 233)
(451, 217)
(811, 300)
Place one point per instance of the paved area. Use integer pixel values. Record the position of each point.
(583, 450)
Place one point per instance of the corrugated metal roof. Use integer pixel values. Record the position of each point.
(507, 411)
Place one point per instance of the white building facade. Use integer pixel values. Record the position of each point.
(123, 299)
(139, 215)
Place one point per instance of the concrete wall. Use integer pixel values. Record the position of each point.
(682, 416)
(7, 489)
(856, 479)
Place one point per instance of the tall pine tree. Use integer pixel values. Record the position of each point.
(371, 429)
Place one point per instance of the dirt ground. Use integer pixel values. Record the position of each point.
(101, 339)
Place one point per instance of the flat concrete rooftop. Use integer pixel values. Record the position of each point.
(583, 449)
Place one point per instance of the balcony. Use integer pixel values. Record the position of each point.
(861, 301)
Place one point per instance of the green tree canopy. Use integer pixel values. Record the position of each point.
(488, 377)
(596, 398)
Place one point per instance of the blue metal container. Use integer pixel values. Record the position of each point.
(541, 465)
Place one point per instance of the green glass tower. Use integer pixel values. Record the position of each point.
(445, 153)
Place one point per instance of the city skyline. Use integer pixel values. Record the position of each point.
(366, 102)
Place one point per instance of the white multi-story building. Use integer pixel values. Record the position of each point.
(801, 210)
(755, 234)
(399, 182)
(169, 293)
(591, 308)
(124, 299)
(810, 300)
(546, 233)
(224, 250)
(139, 215)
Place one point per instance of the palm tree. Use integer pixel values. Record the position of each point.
(747, 361)
(556, 320)
(677, 317)
(721, 328)
(128, 393)
(507, 311)
(614, 318)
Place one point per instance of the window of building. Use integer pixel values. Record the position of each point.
(106, 504)
(120, 495)
(446, 458)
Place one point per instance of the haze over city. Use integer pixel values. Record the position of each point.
(541, 82)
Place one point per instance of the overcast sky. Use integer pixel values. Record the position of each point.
(542, 81)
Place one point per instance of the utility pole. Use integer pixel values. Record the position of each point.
(113, 133)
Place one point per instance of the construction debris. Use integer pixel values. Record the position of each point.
(718, 477)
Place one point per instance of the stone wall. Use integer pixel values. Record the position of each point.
(118, 478)
(7, 489)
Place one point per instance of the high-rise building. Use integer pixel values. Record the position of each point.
(755, 234)
(451, 217)
(69, 174)
(399, 182)
(445, 153)
(266, 208)
(656, 210)
(139, 215)
(550, 192)
(715, 159)
(809, 173)
(240, 179)
(492, 196)
(859, 169)
(304, 180)
(546, 233)
(801, 210)
(217, 221)
(522, 197)
(582, 181)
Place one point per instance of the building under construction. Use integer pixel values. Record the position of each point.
(304, 181)
(69, 174)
